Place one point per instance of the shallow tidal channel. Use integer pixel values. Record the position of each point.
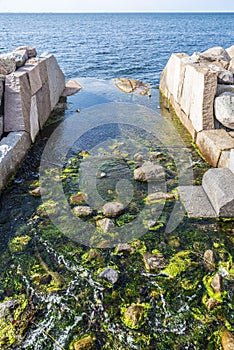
(145, 277)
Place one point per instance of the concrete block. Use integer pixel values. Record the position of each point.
(12, 151)
(196, 202)
(34, 122)
(231, 161)
(43, 104)
(17, 102)
(56, 79)
(219, 187)
(212, 142)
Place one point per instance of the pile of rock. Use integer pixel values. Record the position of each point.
(201, 90)
(30, 87)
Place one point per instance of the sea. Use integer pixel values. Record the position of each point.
(110, 45)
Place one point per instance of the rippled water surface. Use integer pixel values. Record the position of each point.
(112, 45)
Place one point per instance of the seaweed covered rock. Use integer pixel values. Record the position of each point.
(149, 172)
(153, 261)
(18, 243)
(134, 316)
(86, 343)
(178, 263)
(15, 316)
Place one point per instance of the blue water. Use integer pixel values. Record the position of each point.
(114, 45)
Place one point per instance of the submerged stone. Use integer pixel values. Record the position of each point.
(178, 263)
(134, 316)
(78, 198)
(82, 210)
(106, 225)
(113, 209)
(227, 340)
(216, 284)
(208, 259)
(149, 172)
(212, 304)
(87, 343)
(159, 196)
(110, 275)
(124, 247)
(130, 85)
(153, 262)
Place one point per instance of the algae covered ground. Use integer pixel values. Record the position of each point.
(120, 281)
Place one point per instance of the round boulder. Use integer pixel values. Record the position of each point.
(224, 109)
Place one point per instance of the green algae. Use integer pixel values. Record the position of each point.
(19, 243)
(178, 264)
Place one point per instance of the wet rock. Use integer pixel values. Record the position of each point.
(113, 209)
(224, 109)
(227, 340)
(110, 275)
(149, 172)
(151, 223)
(212, 304)
(102, 175)
(216, 284)
(87, 343)
(134, 316)
(71, 88)
(78, 198)
(153, 262)
(124, 247)
(209, 260)
(159, 196)
(106, 225)
(130, 85)
(138, 157)
(82, 210)
(36, 192)
(7, 64)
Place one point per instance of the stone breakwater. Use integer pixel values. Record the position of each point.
(30, 88)
(200, 88)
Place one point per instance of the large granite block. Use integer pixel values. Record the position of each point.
(211, 144)
(43, 104)
(33, 72)
(219, 187)
(56, 79)
(17, 102)
(34, 120)
(12, 151)
(1, 90)
(199, 90)
(196, 202)
(41, 63)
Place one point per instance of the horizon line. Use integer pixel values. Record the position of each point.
(109, 12)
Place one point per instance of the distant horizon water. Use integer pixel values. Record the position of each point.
(109, 45)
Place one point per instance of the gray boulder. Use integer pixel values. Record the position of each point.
(31, 51)
(109, 275)
(113, 209)
(7, 64)
(218, 55)
(224, 109)
(149, 172)
(106, 225)
(230, 51)
(231, 66)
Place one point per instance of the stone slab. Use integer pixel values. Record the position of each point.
(56, 79)
(196, 202)
(212, 142)
(13, 149)
(231, 161)
(17, 102)
(43, 104)
(219, 187)
(34, 121)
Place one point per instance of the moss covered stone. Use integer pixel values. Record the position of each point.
(86, 343)
(134, 315)
(178, 263)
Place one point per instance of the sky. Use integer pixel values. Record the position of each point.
(117, 6)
